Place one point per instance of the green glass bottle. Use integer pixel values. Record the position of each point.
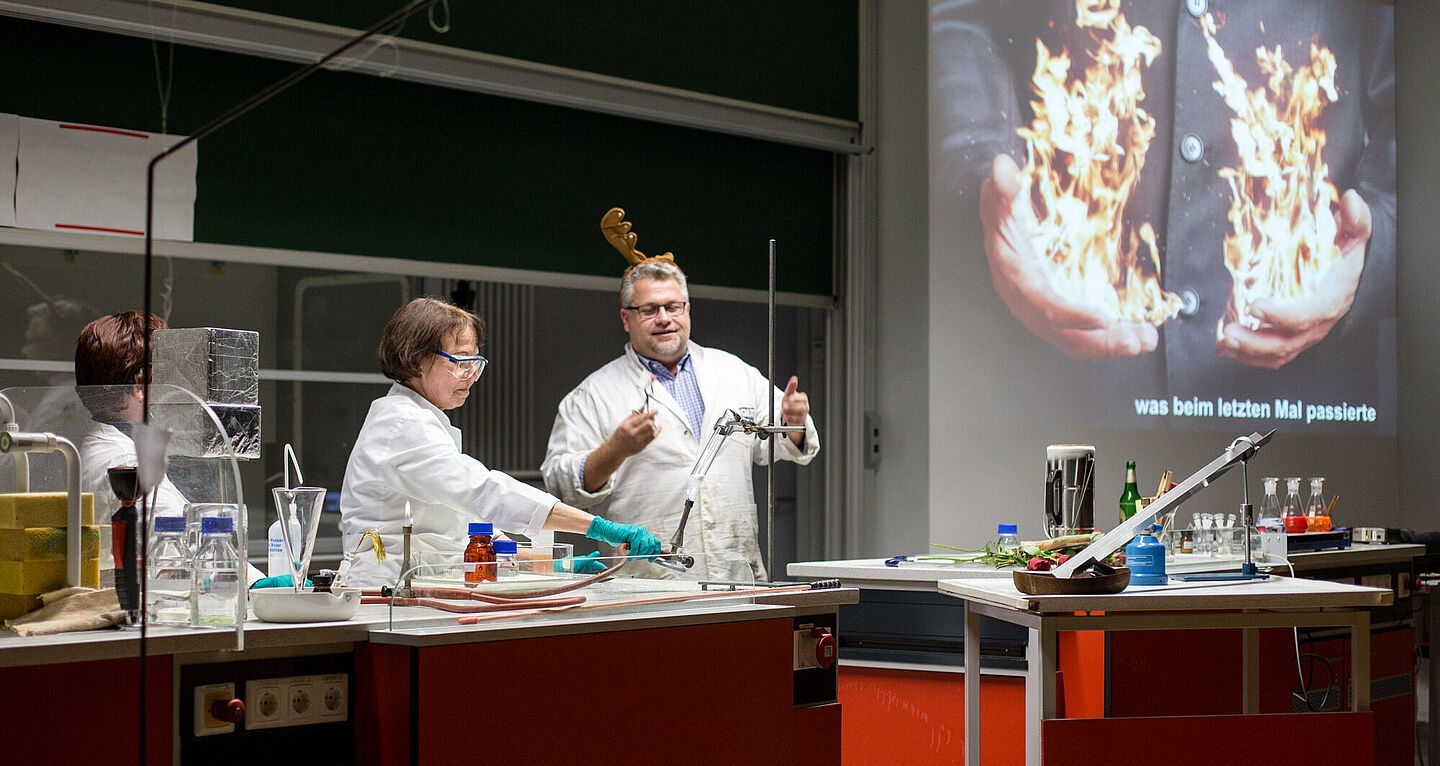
(1131, 493)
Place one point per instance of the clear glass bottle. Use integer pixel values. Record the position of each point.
(168, 573)
(505, 563)
(215, 581)
(1317, 513)
(1008, 537)
(1294, 512)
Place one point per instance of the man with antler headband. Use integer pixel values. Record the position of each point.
(625, 440)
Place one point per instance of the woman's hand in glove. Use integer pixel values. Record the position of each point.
(638, 538)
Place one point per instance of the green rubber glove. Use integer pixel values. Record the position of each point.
(588, 565)
(642, 543)
(283, 581)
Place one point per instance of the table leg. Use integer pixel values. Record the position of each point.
(1040, 662)
(1432, 721)
(1250, 669)
(1360, 662)
(972, 686)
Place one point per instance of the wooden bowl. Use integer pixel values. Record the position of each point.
(1083, 584)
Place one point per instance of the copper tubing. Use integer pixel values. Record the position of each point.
(448, 606)
(494, 602)
(817, 585)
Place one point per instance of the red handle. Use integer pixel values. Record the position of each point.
(230, 711)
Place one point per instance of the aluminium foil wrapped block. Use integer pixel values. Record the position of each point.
(218, 365)
(193, 434)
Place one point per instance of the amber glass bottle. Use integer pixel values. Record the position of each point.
(480, 551)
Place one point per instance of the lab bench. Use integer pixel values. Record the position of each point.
(725, 678)
(902, 659)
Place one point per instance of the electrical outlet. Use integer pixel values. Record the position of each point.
(301, 705)
(264, 703)
(334, 691)
(207, 724)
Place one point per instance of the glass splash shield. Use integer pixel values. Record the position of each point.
(198, 473)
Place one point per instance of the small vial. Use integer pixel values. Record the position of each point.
(505, 564)
(1009, 537)
(480, 551)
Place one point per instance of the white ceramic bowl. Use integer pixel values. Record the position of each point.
(285, 605)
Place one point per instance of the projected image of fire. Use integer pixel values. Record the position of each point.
(1084, 152)
(1282, 238)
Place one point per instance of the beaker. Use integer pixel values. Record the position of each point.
(1294, 512)
(1317, 514)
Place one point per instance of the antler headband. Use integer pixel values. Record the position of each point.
(617, 231)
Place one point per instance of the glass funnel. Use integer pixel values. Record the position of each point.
(299, 510)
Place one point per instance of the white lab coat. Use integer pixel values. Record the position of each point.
(103, 447)
(649, 487)
(407, 450)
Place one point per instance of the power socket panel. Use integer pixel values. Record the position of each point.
(301, 705)
(296, 701)
(334, 692)
(264, 703)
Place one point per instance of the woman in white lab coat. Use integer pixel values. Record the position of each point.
(408, 451)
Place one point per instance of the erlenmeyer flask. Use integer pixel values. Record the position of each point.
(1270, 516)
(1317, 514)
(1295, 521)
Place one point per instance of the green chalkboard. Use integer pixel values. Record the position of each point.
(796, 54)
(357, 164)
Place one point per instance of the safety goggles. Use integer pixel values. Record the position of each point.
(465, 366)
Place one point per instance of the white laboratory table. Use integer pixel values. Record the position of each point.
(1274, 602)
(904, 640)
(419, 686)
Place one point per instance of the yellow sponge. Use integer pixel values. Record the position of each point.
(45, 543)
(42, 509)
(12, 605)
(31, 578)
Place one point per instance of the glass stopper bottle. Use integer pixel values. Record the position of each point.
(1317, 514)
(1294, 512)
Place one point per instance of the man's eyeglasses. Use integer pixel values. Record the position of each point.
(465, 366)
(652, 310)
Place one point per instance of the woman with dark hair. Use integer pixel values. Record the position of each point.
(407, 450)
(109, 359)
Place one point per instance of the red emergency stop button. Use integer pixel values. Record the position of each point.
(230, 711)
(825, 646)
